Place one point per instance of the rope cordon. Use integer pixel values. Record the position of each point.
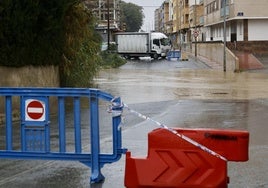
(117, 105)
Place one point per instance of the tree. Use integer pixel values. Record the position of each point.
(81, 49)
(131, 15)
(31, 32)
(50, 32)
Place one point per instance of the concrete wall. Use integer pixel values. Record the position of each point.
(250, 8)
(214, 52)
(26, 77)
(29, 76)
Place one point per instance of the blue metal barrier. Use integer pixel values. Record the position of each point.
(174, 54)
(35, 130)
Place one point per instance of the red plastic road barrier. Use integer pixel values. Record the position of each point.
(174, 162)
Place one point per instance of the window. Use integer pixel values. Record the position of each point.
(212, 7)
(165, 41)
(156, 42)
(222, 3)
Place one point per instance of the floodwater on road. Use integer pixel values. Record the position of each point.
(183, 94)
(205, 98)
(145, 85)
(151, 84)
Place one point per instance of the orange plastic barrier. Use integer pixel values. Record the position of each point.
(173, 162)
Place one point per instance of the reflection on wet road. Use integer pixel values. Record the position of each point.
(153, 85)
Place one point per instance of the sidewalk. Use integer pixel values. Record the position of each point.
(206, 61)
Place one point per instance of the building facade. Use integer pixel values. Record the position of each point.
(106, 11)
(245, 21)
(203, 20)
(164, 16)
(182, 20)
(246, 24)
(157, 22)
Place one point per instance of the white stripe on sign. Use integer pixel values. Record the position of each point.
(35, 110)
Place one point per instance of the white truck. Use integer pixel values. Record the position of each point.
(142, 44)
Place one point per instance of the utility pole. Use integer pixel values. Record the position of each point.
(195, 31)
(180, 8)
(108, 24)
(224, 35)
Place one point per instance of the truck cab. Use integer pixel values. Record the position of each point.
(160, 44)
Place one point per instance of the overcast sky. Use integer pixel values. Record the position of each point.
(149, 7)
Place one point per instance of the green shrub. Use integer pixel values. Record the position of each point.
(111, 60)
(31, 32)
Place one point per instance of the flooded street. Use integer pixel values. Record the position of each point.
(197, 97)
(183, 94)
(173, 81)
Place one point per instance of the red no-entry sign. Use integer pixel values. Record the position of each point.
(34, 110)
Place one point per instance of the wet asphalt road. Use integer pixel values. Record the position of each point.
(178, 94)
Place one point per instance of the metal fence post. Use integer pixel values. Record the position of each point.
(96, 175)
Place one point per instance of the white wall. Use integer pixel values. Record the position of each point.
(192, 2)
(240, 30)
(257, 30)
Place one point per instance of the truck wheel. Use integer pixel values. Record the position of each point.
(155, 56)
(127, 56)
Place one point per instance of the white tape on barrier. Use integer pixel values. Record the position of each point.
(202, 147)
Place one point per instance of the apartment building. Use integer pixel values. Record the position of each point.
(182, 20)
(170, 14)
(157, 21)
(203, 20)
(164, 16)
(246, 20)
(196, 21)
(174, 16)
(246, 23)
(106, 11)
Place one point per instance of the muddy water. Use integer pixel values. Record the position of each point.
(206, 98)
(152, 85)
(245, 93)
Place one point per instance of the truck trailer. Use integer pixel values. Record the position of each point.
(142, 44)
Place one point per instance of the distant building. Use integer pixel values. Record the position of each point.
(196, 22)
(164, 16)
(246, 23)
(100, 10)
(156, 20)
